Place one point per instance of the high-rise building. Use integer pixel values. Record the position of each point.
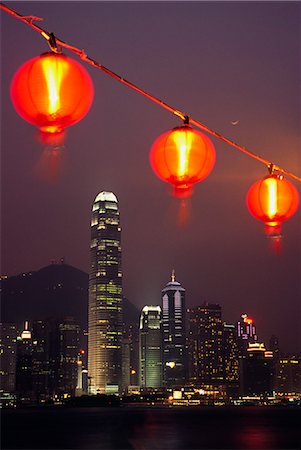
(174, 333)
(246, 333)
(8, 351)
(105, 297)
(206, 344)
(230, 359)
(288, 374)
(43, 376)
(24, 379)
(258, 371)
(150, 347)
(68, 332)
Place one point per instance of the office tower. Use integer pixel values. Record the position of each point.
(206, 345)
(131, 317)
(24, 381)
(258, 371)
(246, 333)
(8, 351)
(105, 297)
(230, 359)
(174, 334)
(150, 347)
(288, 374)
(68, 331)
(42, 373)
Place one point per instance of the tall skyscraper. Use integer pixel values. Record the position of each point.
(105, 297)
(24, 380)
(68, 332)
(174, 333)
(206, 344)
(150, 347)
(230, 359)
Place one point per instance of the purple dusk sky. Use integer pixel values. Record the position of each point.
(218, 61)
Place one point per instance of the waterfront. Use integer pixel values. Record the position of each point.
(154, 428)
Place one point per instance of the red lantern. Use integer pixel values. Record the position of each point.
(273, 200)
(182, 157)
(52, 92)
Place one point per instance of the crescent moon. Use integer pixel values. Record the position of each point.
(234, 122)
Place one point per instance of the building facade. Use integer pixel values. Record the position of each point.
(24, 366)
(246, 333)
(230, 359)
(206, 365)
(105, 297)
(174, 334)
(150, 347)
(288, 374)
(258, 371)
(69, 348)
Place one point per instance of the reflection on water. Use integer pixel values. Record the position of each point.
(256, 437)
(256, 428)
(156, 433)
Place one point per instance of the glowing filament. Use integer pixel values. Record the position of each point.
(54, 74)
(272, 196)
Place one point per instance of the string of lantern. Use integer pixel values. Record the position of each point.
(52, 91)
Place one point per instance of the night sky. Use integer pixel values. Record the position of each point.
(220, 62)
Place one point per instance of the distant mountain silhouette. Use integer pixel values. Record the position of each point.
(55, 291)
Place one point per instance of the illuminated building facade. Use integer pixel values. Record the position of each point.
(174, 333)
(230, 359)
(150, 347)
(206, 344)
(246, 333)
(68, 332)
(8, 351)
(288, 374)
(258, 371)
(24, 379)
(105, 297)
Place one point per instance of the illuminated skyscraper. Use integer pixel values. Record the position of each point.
(230, 357)
(174, 333)
(105, 297)
(150, 347)
(206, 344)
(24, 381)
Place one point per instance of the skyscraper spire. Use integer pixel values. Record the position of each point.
(174, 333)
(26, 334)
(173, 276)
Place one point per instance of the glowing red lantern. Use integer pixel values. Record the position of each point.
(273, 200)
(52, 92)
(182, 157)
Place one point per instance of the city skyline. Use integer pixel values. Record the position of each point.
(230, 62)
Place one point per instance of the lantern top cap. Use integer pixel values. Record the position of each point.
(106, 197)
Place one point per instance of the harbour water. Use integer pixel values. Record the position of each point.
(153, 428)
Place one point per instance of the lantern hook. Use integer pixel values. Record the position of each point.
(53, 44)
(271, 168)
(186, 120)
